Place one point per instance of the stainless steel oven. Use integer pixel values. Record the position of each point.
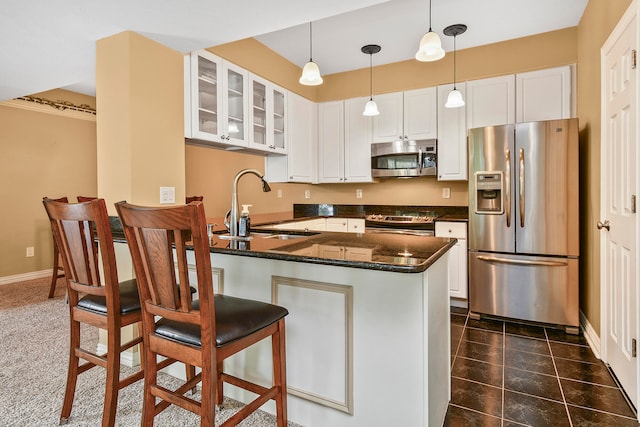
(416, 225)
(404, 158)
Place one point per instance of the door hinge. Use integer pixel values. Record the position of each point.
(633, 59)
(633, 347)
(633, 203)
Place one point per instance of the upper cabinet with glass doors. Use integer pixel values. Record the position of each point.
(216, 101)
(267, 116)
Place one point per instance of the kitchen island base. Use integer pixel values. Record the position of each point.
(364, 347)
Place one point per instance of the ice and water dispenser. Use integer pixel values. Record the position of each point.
(489, 192)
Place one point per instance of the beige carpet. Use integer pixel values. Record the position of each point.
(33, 365)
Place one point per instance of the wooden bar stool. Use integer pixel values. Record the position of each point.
(199, 333)
(58, 270)
(82, 199)
(106, 304)
(190, 199)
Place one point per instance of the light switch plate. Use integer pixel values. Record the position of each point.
(446, 193)
(167, 195)
(358, 193)
(307, 194)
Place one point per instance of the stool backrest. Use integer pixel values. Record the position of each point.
(82, 199)
(190, 199)
(153, 233)
(76, 226)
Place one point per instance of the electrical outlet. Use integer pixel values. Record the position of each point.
(307, 194)
(30, 251)
(167, 195)
(279, 193)
(446, 193)
(358, 193)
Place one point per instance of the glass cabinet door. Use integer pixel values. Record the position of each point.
(235, 105)
(279, 122)
(259, 94)
(207, 88)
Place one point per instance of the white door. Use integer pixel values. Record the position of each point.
(619, 237)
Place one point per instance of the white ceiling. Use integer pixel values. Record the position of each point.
(48, 44)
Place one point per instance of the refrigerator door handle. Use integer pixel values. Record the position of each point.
(521, 187)
(420, 161)
(522, 262)
(507, 186)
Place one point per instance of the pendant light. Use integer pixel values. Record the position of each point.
(454, 100)
(430, 45)
(310, 73)
(371, 108)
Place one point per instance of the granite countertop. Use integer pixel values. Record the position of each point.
(385, 252)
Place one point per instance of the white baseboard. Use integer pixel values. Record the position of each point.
(590, 335)
(25, 276)
(127, 358)
(460, 303)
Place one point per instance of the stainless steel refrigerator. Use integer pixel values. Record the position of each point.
(524, 223)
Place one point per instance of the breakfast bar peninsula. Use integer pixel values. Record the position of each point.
(368, 340)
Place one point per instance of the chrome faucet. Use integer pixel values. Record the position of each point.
(233, 213)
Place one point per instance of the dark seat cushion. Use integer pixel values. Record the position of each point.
(129, 300)
(235, 318)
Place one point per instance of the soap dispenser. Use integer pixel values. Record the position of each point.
(244, 224)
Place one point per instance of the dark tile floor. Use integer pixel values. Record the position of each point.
(509, 375)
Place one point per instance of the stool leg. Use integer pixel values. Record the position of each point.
(72, 373)
(113, 378)
(279, 373)
(56, 268)
(219, 383)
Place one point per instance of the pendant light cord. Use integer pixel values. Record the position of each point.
(429, 15)
(310, 43)
(454, 62)
(371, 77)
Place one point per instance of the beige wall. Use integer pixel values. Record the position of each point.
(598, 20)
(140, 132)
(43, 154)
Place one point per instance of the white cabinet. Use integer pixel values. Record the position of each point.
(344, 142)
(267, 116)
(344, 252)
(491, 101)
(409, 115)
(216, 104)
(357, 141)
(355, 225)
(452, 137)
(345, 225)
(543, 94)
(300, 163)
(458, 277)
(331, 141)
(337, 224)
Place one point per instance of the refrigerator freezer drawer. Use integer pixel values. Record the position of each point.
(538, 289)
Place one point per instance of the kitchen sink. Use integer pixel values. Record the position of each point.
(258, 235)
(278, 236)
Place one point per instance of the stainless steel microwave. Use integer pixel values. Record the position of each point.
(404, 158)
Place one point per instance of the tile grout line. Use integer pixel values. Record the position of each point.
(555, 368)
(504, 363)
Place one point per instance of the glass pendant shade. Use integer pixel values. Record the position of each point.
(311, 75)
(371, 108)
(454, 100)
(430, 48)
